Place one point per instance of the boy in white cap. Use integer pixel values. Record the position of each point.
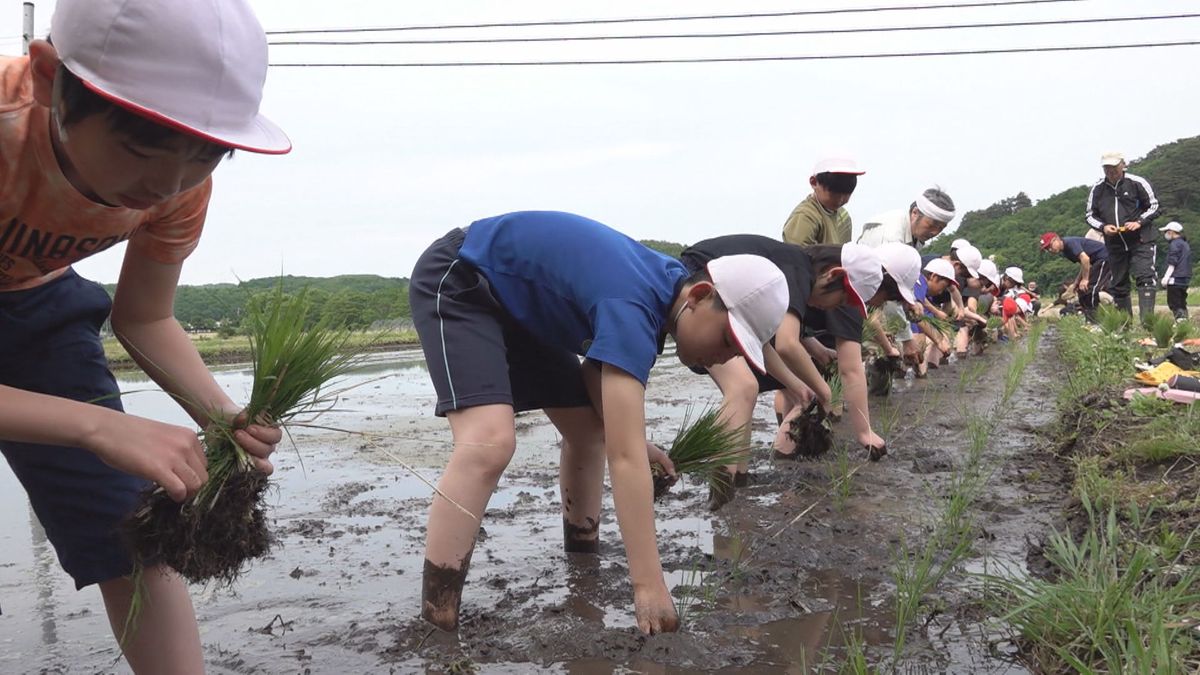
(1178, 275)
(938, 277)
(504, 310)
(820, 279)
(822, 217)
(109, 135)
(1015, 302)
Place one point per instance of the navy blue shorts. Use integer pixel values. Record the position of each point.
(476, 352)
(50, 344)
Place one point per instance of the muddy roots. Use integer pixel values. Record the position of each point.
(212, 543)
(812, 433)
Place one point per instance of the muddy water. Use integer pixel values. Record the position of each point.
(761, 595)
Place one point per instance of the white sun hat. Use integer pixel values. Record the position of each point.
(903, 264)
(755, 293)
(943, 268)
(195, 67)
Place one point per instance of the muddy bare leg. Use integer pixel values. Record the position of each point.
(580, 476)
(484, 441)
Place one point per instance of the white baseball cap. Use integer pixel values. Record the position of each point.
(1111, 159)
(942, 268)
(1015, 274)
(959, 242)
(970, 257)
(839, 163)
(1024, 305)
(1172, 227)
(989, 271)
(755, 292)
(864, 274)
(903, 264)
(196, 67)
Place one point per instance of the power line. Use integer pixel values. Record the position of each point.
(698, 17)
(821, 31)
(736, 59)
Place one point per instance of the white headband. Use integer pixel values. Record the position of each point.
(933, 210)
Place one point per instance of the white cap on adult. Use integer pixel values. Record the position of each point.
(903, 264)
(864, 274)
(1112, 159)
(195, 67)
(970, 257)
(942, 268)
(989, 271)
(755, 293)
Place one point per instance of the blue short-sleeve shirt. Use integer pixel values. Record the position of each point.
(578, 284)
(1073, 246)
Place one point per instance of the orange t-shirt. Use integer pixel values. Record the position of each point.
(46, 224)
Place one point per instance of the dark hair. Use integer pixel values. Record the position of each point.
(702, 275)
(841, 183)
(824, 256)
(891, 289)
(82, 103)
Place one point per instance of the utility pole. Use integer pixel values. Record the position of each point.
(27, 27)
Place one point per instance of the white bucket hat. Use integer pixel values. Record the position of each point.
(196, 67)
(755, 292)
(903, 264)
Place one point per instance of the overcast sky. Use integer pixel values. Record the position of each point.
(386, 160)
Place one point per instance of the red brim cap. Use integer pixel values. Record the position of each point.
(855, 300)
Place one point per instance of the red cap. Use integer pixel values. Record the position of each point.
(1047, 238)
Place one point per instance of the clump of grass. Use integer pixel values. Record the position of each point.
(1112, 320)
(1161, 327)
(212, 535)
(1114, 606)
(1185, 330)
(704, 448)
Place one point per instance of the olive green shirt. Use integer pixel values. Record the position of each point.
(811, 224)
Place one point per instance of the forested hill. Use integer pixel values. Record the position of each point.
(1010, 228)
(356, 300)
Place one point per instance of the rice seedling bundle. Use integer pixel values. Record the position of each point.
(212, 535)
(703, 448)
(1111, 319)
(812, 432)
(943, 326)
(1161, 327)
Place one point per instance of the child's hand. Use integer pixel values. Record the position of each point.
(259, 440)
(169, 455)
(656, 456)
(655, 610)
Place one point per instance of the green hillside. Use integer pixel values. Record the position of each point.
(1010, 228)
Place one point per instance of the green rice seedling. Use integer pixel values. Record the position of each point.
(1112, 320)
(1112, 607)
(841, 475)
(1161, 327)
(939, 325)
(212, 535)
(704, 448)
(1185, 330)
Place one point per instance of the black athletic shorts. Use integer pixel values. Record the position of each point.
(827, 325)
(476, 352)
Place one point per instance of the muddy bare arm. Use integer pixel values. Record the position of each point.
(795, 358)
(624, 401)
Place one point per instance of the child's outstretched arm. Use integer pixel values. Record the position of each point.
(624, 401)
(143, 318)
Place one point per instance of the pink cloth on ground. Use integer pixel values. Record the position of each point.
(1176, 395)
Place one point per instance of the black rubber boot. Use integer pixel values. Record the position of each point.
(1146, 297)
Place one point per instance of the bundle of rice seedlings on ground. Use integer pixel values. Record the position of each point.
(1161, 327)
(1112, 319)
(1184, 330)
(812, 432)
(703, 449)
(213, 534)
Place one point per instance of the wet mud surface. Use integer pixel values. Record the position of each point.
(772, 583)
